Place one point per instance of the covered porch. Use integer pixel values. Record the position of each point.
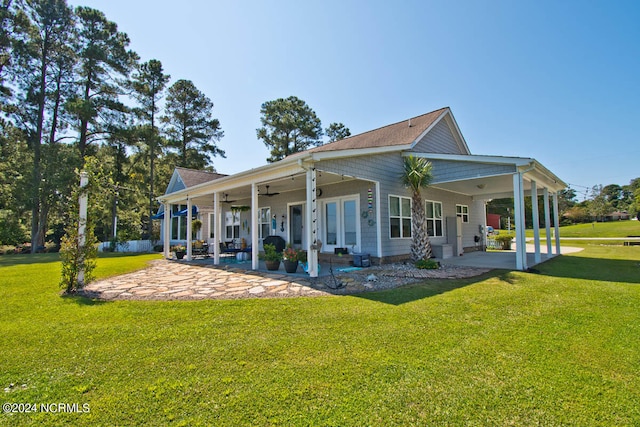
(495, 177)
(275, 200)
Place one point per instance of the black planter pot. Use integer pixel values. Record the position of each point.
(272, 265)
(290, 266)
(180, 255)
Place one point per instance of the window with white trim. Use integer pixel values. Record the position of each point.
(232, 224)
(264, 222)
(399, 217)
(212, 225)
(433, 214)
(463, 212)
(178, 223)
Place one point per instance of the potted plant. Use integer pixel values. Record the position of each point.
(180, 251)
(291, 256)
(271, 257)
(196, 226)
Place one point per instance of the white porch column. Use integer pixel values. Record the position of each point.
(378, 222)
(312, 223)
(556, 222)
(255, 261)
(189, 220)
(166, 230)
(216, 228)
(547, 220)
(518, 211)
(536, 220)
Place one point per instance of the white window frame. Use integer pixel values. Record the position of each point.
(178, 223)
(261, 223)
(212, 225)
(434, 218)
(463, 212)
(231, 221)
(403, 216)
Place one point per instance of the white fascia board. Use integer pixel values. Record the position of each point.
(427, 130)
(474, 158)
(455, 123)
(546, 176)
(338, 154)
(276, 170)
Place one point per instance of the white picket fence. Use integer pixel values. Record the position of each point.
(129, 246)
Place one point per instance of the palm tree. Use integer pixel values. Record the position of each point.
(418, 175)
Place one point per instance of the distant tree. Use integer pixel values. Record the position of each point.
(599, 206)
(148, 86)
(417, 175)
(105, 63)
(43, 32)
(191, 130)
(337, 131)
(577, 214)
(7, 14)
(613, 195)
(288, 126)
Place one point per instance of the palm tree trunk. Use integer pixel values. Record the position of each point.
(420, 243)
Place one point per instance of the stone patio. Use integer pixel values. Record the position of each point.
(179, 280)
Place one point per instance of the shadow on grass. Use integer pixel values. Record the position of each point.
(26, 259)
(83, 300)
(422, 290)
(603, 269)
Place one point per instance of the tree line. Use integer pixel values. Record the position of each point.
(601, 201)
(73, 95)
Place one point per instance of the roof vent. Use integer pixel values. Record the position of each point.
(409, 122)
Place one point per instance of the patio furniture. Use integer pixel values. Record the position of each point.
(200, 249)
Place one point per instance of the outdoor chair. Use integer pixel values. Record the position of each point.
(198, 249)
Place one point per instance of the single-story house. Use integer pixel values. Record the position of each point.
(348, 194)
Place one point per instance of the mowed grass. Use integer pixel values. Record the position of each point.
(596, 229)
(507, 348)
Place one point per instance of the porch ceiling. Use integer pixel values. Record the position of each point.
(242, 195)
(488, 187)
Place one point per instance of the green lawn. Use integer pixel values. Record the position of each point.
(596, 229)
(508, 348)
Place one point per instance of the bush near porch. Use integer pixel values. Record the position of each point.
(506, 348)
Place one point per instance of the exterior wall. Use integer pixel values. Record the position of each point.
(387, 169)
(439, 140)
(445, 170)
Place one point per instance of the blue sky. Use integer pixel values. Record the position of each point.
(558, 81)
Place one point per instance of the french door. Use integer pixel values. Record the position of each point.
(296, 236)
(341, 224)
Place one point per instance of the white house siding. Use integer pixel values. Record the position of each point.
(439, 140)
(446, 170)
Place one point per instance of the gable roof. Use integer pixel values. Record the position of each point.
(191, 177)
(401, 135)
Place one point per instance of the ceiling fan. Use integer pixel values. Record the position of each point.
(226, 199)
(269, 194)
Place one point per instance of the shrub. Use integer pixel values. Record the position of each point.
(427, 264)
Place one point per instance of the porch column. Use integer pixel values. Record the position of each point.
(255, 261)
(518, 210)
(547, 220)
(536, 220)
(556, 222)
(216, 228)
(378, 222)
(166, 232)
(312, 223)
(189, 219)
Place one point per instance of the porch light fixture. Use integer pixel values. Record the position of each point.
(481, 186)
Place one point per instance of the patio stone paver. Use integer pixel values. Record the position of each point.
(177, 280)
